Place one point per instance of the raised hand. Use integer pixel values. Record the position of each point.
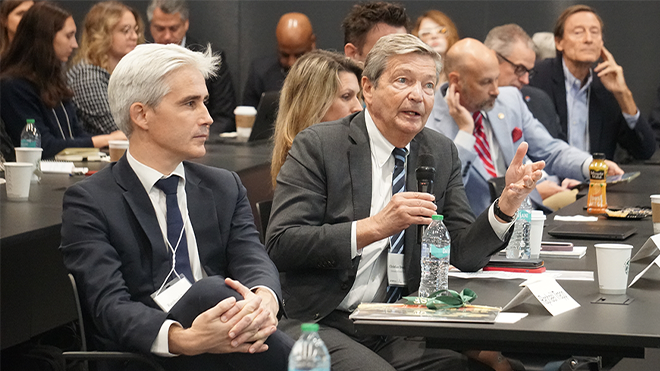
(611, 75)
(520, 181)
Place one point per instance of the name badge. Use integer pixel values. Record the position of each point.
(395, 273)
(171, 293)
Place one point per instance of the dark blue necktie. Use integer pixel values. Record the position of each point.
(396, 241)
(175, 226)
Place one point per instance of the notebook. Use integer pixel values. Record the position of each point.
(592, 231)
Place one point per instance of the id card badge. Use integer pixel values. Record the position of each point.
(171, 293)
(395, 273)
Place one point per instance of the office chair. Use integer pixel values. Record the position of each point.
(263, 209)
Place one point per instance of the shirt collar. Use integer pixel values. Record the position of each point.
(183, 41)
(572, 81)
(381, 148)
(149, 176)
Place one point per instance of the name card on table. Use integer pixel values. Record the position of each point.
(637, 277)
(649, 248)
(549, 293)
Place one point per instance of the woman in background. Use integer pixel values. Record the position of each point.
(321, 86)
(33, 84)
(111, 30)
(11, 12)
(437, 30)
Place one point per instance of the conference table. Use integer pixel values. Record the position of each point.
(592, 329)
(34, 289)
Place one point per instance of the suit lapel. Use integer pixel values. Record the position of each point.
(411, 186)
(501, 131)
(203, 217)
(359, 163)
(141, 206)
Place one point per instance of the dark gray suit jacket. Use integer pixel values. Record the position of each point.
(325, 185)
(112, 244)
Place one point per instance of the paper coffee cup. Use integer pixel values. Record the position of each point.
(31, 155)
(613, 261)
(17, 175)
(655, 208)
(117, 149)
(245, 116)
(536, 234)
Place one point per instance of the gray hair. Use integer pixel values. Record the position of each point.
(141, 76)
(169, 7)
(397, 44)
(501, 39)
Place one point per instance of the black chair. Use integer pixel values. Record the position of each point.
(263, 209)
(86, 355)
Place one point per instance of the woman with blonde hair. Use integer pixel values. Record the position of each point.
(11, 12)
(321, 86)
(438, 31)
(111, 30)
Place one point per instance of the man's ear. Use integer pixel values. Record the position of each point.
(453, 78)
(138, 113)
(557, 44)
(350, 50)
(367, 90)
(186, 25)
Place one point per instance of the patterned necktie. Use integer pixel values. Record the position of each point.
(176, 233)
(396, 241)
(481, 145)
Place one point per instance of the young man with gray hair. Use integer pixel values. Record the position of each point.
(168, 23)
(335, 213)
(164, 251)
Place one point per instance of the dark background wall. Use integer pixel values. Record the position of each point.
(245, 29)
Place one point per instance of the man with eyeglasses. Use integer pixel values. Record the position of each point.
(596, 108)
(295, 37)
(487, 124)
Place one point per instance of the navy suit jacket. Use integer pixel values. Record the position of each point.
(607, 126)
(113, 245)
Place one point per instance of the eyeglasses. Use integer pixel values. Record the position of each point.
(519, 69)
(425, 32)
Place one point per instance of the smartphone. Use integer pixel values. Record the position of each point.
(516, 270)
(556, 246)
(515, 265)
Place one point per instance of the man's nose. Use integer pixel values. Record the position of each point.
(416, 92)
(524, 79)
(291, 60)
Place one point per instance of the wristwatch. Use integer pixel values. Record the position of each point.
(499, 212)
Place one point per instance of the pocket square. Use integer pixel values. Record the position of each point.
(516, 134)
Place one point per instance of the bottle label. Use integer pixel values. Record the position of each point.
(597, 174)
(525, 215)
(28, 143)
(440, 252)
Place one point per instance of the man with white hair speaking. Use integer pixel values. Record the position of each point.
(165, 252)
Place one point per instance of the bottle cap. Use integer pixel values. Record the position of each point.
(29, 121)
(309, 327)
(437, 217)
(599, 156)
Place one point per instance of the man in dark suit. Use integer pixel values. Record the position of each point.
(334, 210)
(153, 230)
(168, 24)
(596, 108)
(295, 37)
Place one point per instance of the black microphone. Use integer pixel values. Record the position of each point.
(425, 174)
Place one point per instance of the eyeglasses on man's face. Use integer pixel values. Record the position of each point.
(519, 69)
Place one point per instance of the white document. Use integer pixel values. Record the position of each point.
(509, 317)
(649, 248)
(549, 293)
(577, 253)
(637, 277)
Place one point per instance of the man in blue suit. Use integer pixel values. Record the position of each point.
(165, 252)
(473, 96)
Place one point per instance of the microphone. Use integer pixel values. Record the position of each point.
(425, 174)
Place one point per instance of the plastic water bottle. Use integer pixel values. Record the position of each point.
(519, 247)
(436, 245)
(30, 136)
(309, 352)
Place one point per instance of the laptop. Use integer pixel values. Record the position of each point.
(264, 122)
(592, 231)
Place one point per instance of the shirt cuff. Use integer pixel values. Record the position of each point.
(269, 290)
(161, 346)
(464, 139)
(585, 167)
(354, 251)
(498, 227)
(631, 119)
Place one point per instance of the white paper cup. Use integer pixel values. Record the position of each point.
(245, 116)
(613, 264)
(31, 155)
(117, 149)
(536, 233)
(655, 207)
(17, 175)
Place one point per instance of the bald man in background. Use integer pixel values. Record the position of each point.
(295, 37)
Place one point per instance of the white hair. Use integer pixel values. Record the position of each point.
(141, 76)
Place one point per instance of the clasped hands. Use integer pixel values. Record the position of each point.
(231, 326)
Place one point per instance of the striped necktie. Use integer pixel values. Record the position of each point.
(481, 145)
(396, 241)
